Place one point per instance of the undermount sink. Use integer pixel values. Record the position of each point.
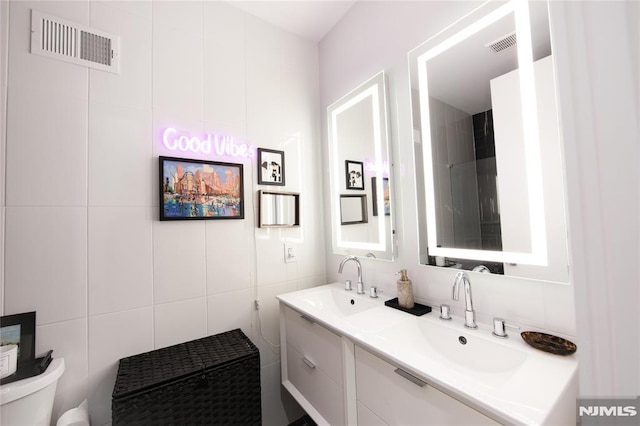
(473, 352)
(334, 301)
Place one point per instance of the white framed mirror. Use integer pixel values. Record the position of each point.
(487, 144)
(360, 181)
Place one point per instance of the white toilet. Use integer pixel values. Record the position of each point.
(29, 402)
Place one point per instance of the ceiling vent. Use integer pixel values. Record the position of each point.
(67, 41)
(503, 43)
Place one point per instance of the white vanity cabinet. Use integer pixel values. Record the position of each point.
(340, 354)
(389, 397)
(312, 366)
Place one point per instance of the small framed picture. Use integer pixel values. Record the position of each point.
(385, 196)
(20, 330)
(270, 167)
(198, 189)
(354, 174)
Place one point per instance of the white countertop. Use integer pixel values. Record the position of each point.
(505, 379)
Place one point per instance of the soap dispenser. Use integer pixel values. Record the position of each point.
(405, 291)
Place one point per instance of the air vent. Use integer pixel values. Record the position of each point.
(67, 41)
(503, 43)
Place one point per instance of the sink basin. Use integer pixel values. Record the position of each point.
(472, 352)
(333, 301)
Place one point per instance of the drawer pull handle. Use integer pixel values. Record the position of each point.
(410, 377)
(306, 318)
(308, 362)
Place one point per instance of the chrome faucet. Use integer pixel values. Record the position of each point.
(469, 313)
(360, 286)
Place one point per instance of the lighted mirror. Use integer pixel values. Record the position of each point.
(487, 144)
(278, 209)
(360, 183)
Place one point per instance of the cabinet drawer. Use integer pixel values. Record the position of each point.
(323, 393)
(399, 400)
(367, 417)
(320, 345)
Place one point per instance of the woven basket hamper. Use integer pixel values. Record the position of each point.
(210, 381)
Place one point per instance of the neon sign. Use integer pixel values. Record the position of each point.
(372, 166)
(208, 144)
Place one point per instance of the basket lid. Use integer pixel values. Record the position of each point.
(155, 368)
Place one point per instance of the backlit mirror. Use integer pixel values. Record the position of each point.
(278, 209)
(487, 144)
(359, 168)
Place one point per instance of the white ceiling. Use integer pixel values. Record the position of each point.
(311, 19)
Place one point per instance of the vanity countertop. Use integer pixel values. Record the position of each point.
(505, 379)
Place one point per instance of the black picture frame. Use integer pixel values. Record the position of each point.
(25, 323)
(354, 174)
(271, 170)
(199, 189)
(374, 196)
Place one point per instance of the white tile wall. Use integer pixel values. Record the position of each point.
(270, 245)
(67, 339)
(4, 39)
(225, 85)
(47, 148)
(111, 337)
(223, 22)
(177, 56)
(230, 259)
(84, 246)
(140, 8)
(119, 156)
(269, 308)
(179, 322)
(264, 83)
(46, 262)
(184, 16)
(179, 262)
(228, 311)
(37, 72)
(132, 86)
(120, 258)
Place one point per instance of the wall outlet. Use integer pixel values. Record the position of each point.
(289, 254)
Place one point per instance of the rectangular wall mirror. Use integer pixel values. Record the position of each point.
(278, 209)
(360, 163)
(487, 144)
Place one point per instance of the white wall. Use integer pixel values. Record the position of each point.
(84, 247)
(376, 36)
(4, 40)
(598, 60)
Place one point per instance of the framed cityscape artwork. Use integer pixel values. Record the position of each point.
(198, 189)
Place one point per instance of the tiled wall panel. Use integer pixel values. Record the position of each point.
(83, 243)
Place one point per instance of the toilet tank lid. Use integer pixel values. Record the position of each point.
(21, 388)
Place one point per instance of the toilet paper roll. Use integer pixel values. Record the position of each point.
(78, 416)
(8, 360)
